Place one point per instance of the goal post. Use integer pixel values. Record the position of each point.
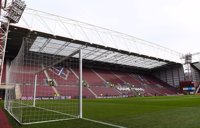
(80, 85)
(34, 95)
(46, 85)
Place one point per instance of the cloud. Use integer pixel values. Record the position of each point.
(171, 23)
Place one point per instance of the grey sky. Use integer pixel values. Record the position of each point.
(171, 23)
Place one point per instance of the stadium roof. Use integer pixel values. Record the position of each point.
(197, 65)
(99, 44)
(64, 48)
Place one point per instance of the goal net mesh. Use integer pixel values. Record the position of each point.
(44, 86)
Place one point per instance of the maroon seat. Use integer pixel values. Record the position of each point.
(105, 91)
(41, 91)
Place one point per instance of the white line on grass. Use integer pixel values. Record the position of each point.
(49, 121)
(104, 123)
(75, 117)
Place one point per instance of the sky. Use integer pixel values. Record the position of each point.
(174, 24)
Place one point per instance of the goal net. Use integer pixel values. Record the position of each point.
(45, 83)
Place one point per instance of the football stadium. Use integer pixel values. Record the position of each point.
(60, 72)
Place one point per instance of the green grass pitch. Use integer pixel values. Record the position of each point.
(138, 112)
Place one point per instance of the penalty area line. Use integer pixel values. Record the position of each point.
(104, 123)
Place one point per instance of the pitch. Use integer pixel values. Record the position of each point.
(138, 112)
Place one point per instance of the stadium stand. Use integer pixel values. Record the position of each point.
(109, 77)
(124, 83)
(102, 91)
(73, 91)
(92, 78)
(146, 72)
(127, 78)
(27, 91)
(62, 77)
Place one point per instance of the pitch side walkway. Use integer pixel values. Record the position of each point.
(3, 120)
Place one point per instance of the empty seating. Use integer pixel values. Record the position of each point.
(102, 91)
(41, 91)
(128, 79)
(73, 91)
(69, 79)
(67, 83)
(91, 78)
(109, 77)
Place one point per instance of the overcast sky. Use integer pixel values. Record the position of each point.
(174, 24)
